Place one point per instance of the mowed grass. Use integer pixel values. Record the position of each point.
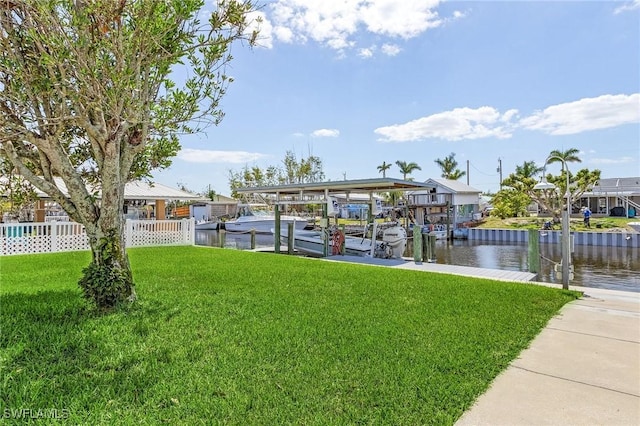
(232, 337)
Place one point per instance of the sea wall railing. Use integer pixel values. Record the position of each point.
(610, 239)
(51, 237)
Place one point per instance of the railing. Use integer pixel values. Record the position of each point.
(630, 202)
(50, 237)
(429, 199)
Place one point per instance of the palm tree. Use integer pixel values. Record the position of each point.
(407, 168)
(528, 170)
(449, 167)
(569, 156)
(382, 168)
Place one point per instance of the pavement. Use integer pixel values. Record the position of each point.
(582, 369)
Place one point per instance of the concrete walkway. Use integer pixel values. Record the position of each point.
(582, 369)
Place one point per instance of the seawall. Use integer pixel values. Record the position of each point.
(610, 239)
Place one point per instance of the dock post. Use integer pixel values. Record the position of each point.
(276, 234)
(429, 247)
(253, 239)
(342, 247)
(417, 244)
(222, 234)
(534, 251)
(290, 238)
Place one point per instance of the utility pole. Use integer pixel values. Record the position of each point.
(499, 170)
(467, 172)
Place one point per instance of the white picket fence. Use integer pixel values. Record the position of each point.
(49, 237)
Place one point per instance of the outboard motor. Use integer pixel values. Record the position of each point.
(396, 239)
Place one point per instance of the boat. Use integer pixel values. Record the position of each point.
(207, 225)
(312, 242)
(262, 219)
(437, 229)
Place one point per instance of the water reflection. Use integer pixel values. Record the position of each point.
(237, 240)
(615, 268)
(595, 266)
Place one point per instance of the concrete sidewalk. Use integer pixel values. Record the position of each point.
(582, 369)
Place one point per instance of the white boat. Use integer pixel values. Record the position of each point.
(392, 244)
(438, 229)
(207, 225)
(261, 219)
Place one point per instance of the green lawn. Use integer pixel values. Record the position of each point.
(232, 337)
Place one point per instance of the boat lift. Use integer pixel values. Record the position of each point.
(324, 192)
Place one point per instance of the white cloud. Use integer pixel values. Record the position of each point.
(459, 15)
(206, 156)
(621, 160)
(635, 4)
(390, 49)
(460, 123)
(366, 52)
(586, 114)
(335, 23)
(325, 133)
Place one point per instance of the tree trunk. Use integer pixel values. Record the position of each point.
(108, 280)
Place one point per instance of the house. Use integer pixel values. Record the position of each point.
(448, 201)
(142, 199)
(614, 197)
(220, 206)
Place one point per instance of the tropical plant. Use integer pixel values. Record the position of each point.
(89, 97)
(407, 168)
(509, 202)
(382, 168)
(580, 182)
(449, 165)
(305, 170)
(569, 156)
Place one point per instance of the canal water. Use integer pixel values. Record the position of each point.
(615, 268)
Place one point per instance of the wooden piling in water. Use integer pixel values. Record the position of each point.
(417, 244)
(290, 238)
(534, 251)
(429, 247)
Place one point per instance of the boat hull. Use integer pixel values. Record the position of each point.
(312, 243)
(207, 226)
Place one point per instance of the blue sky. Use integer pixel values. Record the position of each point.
(359, 82)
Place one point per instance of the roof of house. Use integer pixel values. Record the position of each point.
(138, 191)
(155, 191)
(454, 186)
(627, 185)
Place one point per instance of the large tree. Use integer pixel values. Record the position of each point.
(92, 95)
(519, 190)
(449, 167)
(407, 168)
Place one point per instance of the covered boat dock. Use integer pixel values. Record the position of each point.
(324, 192)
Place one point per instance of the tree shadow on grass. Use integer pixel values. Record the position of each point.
(58, 352)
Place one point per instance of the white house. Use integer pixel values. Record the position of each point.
(449, 200)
